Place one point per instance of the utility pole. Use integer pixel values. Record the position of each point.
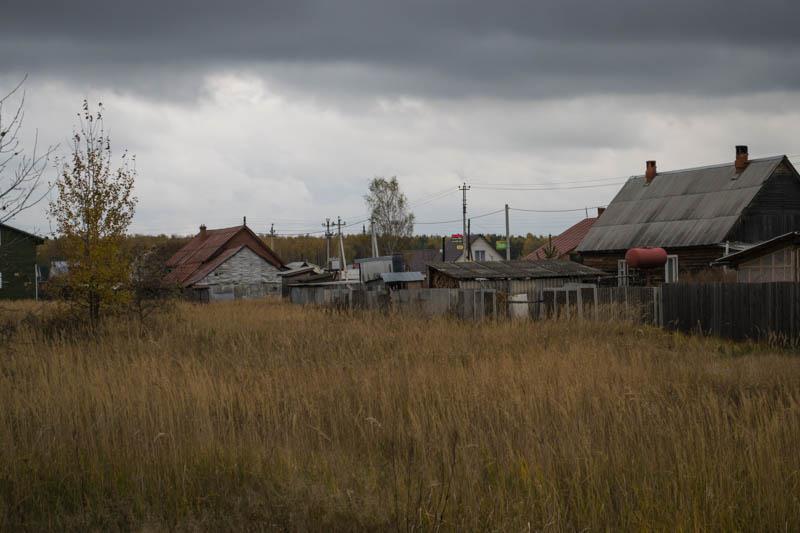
(468, 242)
(374, 239)
(464, 188)
(342, 259)
(328, 235)
(508, 238)
(272, 236)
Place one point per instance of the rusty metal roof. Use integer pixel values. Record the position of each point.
(521, 269)
(201, 252)
(692, 207)
(566, 242)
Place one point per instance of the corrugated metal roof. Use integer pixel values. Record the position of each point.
(521, 269)
(692, 207)
(757, 250)
(566, 242)
(197, 253)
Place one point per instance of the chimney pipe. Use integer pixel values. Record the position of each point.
(650, 172)
(600, 211)
(741, 158)
(203, 234)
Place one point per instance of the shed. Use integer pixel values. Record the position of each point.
(398, 280)
(774, 260)
(510, 276)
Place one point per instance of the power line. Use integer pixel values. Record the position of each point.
(554, 210)
(526, 188)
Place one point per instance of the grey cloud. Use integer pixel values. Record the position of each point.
(453, 48)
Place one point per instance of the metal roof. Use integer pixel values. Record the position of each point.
(521, 269)
(793, 237)
(566, 242)
(401, 277)
(692, 207)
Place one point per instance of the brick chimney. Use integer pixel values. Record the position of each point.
(203, 233)
(650, 172)
(741, 158)
(600, 211)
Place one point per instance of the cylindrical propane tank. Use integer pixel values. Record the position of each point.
(646, 257)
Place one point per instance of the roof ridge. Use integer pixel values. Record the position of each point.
(709, 167)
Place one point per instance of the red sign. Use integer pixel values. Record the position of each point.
(456, 236)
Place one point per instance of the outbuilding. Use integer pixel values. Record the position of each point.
(510, 276)
(774, 260)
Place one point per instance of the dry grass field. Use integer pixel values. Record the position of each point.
(259, 415)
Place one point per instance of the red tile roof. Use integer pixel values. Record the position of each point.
(202, 255)
(566, 242)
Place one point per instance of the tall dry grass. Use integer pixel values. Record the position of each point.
(260, 415)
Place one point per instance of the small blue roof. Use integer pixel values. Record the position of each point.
(401, 277)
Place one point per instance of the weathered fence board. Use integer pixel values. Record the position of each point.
(734, 310)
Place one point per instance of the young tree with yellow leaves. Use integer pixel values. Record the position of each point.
(93, 210)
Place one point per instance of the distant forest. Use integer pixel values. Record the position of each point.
(299, 248)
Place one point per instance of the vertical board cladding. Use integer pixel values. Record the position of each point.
(17, 264)
(734, 310)
(244, 275)
(775, 210)
(690, 260)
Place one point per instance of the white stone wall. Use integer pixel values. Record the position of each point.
(245, 275)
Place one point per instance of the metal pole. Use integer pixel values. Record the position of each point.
(508, 238)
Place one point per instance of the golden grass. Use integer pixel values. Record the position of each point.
(256, 415)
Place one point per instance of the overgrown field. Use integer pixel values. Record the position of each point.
(259, 415)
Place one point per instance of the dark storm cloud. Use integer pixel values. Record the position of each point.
(465, 48)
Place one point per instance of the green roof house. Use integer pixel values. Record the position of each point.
(17, 263)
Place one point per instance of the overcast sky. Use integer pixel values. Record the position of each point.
(283, 111)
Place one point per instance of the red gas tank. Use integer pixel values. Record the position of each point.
(646, 257)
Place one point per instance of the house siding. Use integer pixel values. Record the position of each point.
(774, 211)
(244, 275)
(482, 245)
(17, 264)
(690, 260)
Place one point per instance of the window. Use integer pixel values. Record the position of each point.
(622, 273)
(671, 269)
(480, 255)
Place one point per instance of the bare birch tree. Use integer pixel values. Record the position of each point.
(21, 173)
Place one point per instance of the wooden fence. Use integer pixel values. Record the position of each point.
(468, 304)
(734, 310)
(638, 304)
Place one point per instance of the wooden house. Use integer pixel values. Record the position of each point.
(18, 270)
(696, 214)
(225, 264)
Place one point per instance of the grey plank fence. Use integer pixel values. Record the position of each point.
(734, 310)
(468, 304)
